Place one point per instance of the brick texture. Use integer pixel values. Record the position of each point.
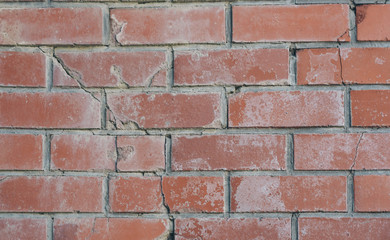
(22, 229)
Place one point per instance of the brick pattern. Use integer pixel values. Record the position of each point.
(180, 119)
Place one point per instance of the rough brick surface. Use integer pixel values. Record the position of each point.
(21, 152)
(168, 25)
(288, 193)
(238, 152)
(286, 109)
(232, 67)
(22, 69)
(22, 229)
(49, 110)
(372, 193)
(290, 23)
(50, 194)
(371, 21)
(248, 228)
(53, 26)
(110, 228)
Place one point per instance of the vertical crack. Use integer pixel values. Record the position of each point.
(92, 230)
(341, 65)
(356, 152)
(163, 197)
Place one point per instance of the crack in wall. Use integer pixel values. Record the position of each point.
(341, 66)
(92, 230)
(356, 152)
(165, 205)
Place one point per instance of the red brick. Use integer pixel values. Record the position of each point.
(288, 193)
(20, 152)
(136, 194)
(372, 22)
(342, 151)
(22, 229)
(232, 67)
(370, 108)
(83, 152)
(290, 23)
(59, 26)
(22, 69)
(168, 25)
(319, 66)
(194, 194)
(49, 110)
(110, 228)
(219, 228)
(372, 193)
(112, 69)
(229, 152)
(166, 110)
(286, 109)
(142, 153)
(50, 194)
(344, 228)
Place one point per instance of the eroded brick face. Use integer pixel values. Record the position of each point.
(194, 119)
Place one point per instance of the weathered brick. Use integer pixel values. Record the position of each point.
(112, 69)
(49, 110)
(243, 228)
(291, 23)
(22, 228)
(288, 193)
(372, 22)
(286, 109)
(372, 193)
(110, 228)
(20, 152)
(168, 25)
(232, 67)
(22, 69)
(165, 110)
(194, 194)
(370, 108)
(344, 228)
(83, 152)
(51, 26)
(229, 152)
(50, 194)
(136, 194)
(141, 153)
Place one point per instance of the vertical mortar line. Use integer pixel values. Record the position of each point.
(168, 154)
(46, 152)
(106, 25)
(347, 109)
(117, 153)
(49, 228)
(49, 73)
(170, 62)
(105, 195)
(350, 192)
(352, 23)
(224, 109)
(227, 192)
(290, 153)
(228, 25)
(292, 60)
(294, 226)
(103, 112)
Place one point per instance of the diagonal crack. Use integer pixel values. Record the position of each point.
(356, 152)
(162, 67)
(92, 230)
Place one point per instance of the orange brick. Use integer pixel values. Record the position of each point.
(22, 229)
(372, 193)
(372, 22)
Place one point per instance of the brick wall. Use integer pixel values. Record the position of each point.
(194, 120)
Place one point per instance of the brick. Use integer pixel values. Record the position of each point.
(319, 66)
(50, 194)
(112, 69)
(194, 194)
(370, 108)
(165, 110)
(51, 26)
(22, 229)
(49, 110)
(83, 152)
(372, 193)
(286, 109)
(110, 228)
(232, 67)
(168, 25)
(20, 152)
(142, 153)
(291, 23)
(342, 151)
(288, 193)
(243, 228)
(228, 152)
(136, 194)
(371, 22)
(344, 228)
(22, 69)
